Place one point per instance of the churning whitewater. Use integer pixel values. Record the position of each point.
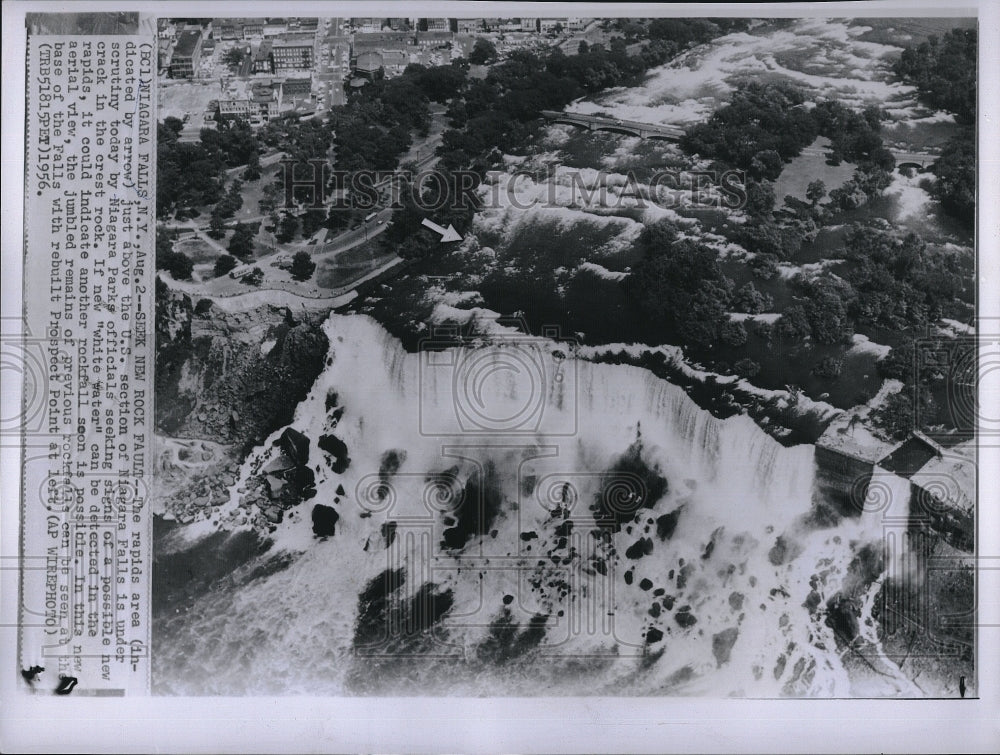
(503, 517)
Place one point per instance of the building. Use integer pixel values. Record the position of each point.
(226, 28)
(275, 26)
(577, 24)
(187, 55)
(253, 27)
(367, 25)
(369, 65)
(550, 24)
(286, 56)
(297, 88)
(262, 62)
(394, 62)
(400, 24)
(469, 25)
(436, 24)
(390, 45)
(431, 39)
(164, 52)
(258, 106)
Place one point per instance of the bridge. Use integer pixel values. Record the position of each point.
(919, 161)
(916, 160)
(600, 123)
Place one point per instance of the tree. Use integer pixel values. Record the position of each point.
(241, 242)
(287, 228)
(312, 220)
(682, 284)
(764, 266)
(254, 278)
(760, 198)
(224, 264)
(828, 367)
(178, 264)
(766, 164)
(793, 324)
(302, 266)
(483, 51)
(216, 226)
(233, 58)
(748, 299)
(252, 172)
(747, 368)
(955, 187)
(815, 191)
(734, 334)
(896, 416)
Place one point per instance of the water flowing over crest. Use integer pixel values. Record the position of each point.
(504, 518)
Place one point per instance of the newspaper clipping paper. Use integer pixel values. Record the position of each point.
(89, 230)
(582, 371)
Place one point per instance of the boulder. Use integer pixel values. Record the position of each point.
(722, 644)
(324, 520)
(295, 446)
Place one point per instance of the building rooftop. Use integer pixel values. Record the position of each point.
(951, 476)
(263, 51)
(187, 42)
(369, 61)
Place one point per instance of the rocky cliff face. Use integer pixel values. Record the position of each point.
(231, 377)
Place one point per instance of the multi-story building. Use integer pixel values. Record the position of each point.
(275, 26)
(164, 50)
(262, 62)
(260, 105)
(550, 24)
(437, 24)
(394, 62)
(297, 88)
(226, 28)
(367, 25)
(369, 65)
(392, 46)
(529, 24)
(187, 54)
(400, 24)
(577, 24)
(295, 56)
(253, 27)
(469, 25)
(427, 39)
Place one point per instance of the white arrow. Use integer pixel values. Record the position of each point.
(447, 234)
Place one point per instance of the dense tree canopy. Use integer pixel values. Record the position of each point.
(944, 71)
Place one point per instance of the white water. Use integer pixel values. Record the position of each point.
(531, 410)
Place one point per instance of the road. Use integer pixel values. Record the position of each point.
(334, 65)
(265, 161)
(229, 292)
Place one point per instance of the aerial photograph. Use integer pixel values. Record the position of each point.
(566, 356)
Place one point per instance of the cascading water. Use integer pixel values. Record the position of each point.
(513, 520)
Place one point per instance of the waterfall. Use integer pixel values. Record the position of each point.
(714, 603)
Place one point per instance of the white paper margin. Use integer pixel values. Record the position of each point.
(51, 724)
